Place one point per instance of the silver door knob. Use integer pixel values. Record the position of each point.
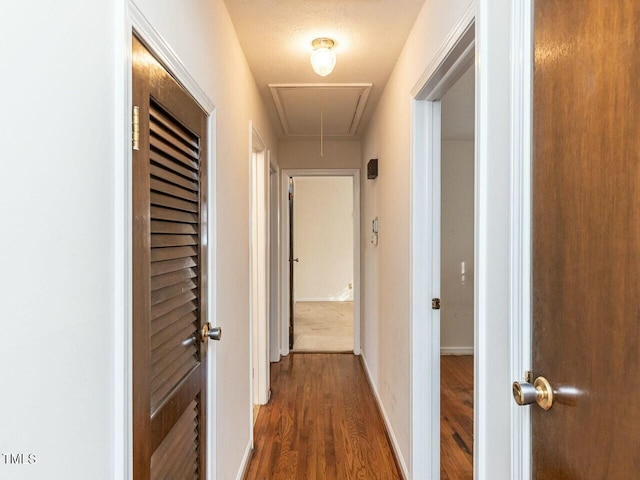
(296, 259)
(208, 332)
(540, 392)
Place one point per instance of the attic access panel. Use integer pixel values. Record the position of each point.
(300, 107)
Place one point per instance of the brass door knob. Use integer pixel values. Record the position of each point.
(540, 392)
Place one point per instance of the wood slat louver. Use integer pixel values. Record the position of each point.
(174, 252)
(177, 456)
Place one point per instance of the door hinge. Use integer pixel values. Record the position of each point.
(135, 128)
(435, 304)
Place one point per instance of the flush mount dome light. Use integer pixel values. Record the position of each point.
(323, 59)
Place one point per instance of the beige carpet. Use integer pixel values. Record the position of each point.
(323, 327)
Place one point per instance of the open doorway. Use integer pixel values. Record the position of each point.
(321, 261)
(455, 60)
(321, 239)
(457, 154)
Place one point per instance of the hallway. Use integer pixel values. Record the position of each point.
(322, 422)
(142, 227)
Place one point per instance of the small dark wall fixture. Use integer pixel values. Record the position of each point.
(372, 169)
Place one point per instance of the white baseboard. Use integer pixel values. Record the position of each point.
(245, 462)
(456, 350)
(392, 435)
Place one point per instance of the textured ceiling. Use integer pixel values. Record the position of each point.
(276, 37)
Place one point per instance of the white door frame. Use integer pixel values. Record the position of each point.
(284, 242)
(258, 269)
(132, 20)
(274, 266)
(521, 234)
(451, 60)
(450, 63)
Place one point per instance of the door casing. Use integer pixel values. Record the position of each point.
(491, 231)
(274, 260)
(259, 301)
(284, 254)
(457, 56)
(132, 21)
(521, 236)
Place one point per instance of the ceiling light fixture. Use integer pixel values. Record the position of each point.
(323, 59)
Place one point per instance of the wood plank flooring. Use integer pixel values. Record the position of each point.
(323, 327)
(322, 423)
(456, 412)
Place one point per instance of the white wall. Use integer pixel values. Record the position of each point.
(457, 219)
(56, 246)
(57, 242)
(386, 268)
(306, 154)
(456, 314)
(63, 217)
(323, 238)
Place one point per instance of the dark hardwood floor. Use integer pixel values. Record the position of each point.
(456, 412)
(322, 423)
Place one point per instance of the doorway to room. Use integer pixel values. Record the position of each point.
(321, 261)
(444, 335)
(457, 191)
(321, 266)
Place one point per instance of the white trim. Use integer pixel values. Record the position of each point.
(424, 334)
(456, 350)
(387, 422)
(258, 274)
(244, 464)
(453, 58)
(274, 269)
(212, 213)
(521, 136)
(480, 397)
(455, 54)
(131, 21)
(284, 264)
(284, 257)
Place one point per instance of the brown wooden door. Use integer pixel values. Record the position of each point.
(586, 238)
(169, 275)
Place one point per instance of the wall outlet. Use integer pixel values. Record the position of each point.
(350, 286)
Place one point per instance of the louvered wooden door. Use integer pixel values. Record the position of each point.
(169, 260)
